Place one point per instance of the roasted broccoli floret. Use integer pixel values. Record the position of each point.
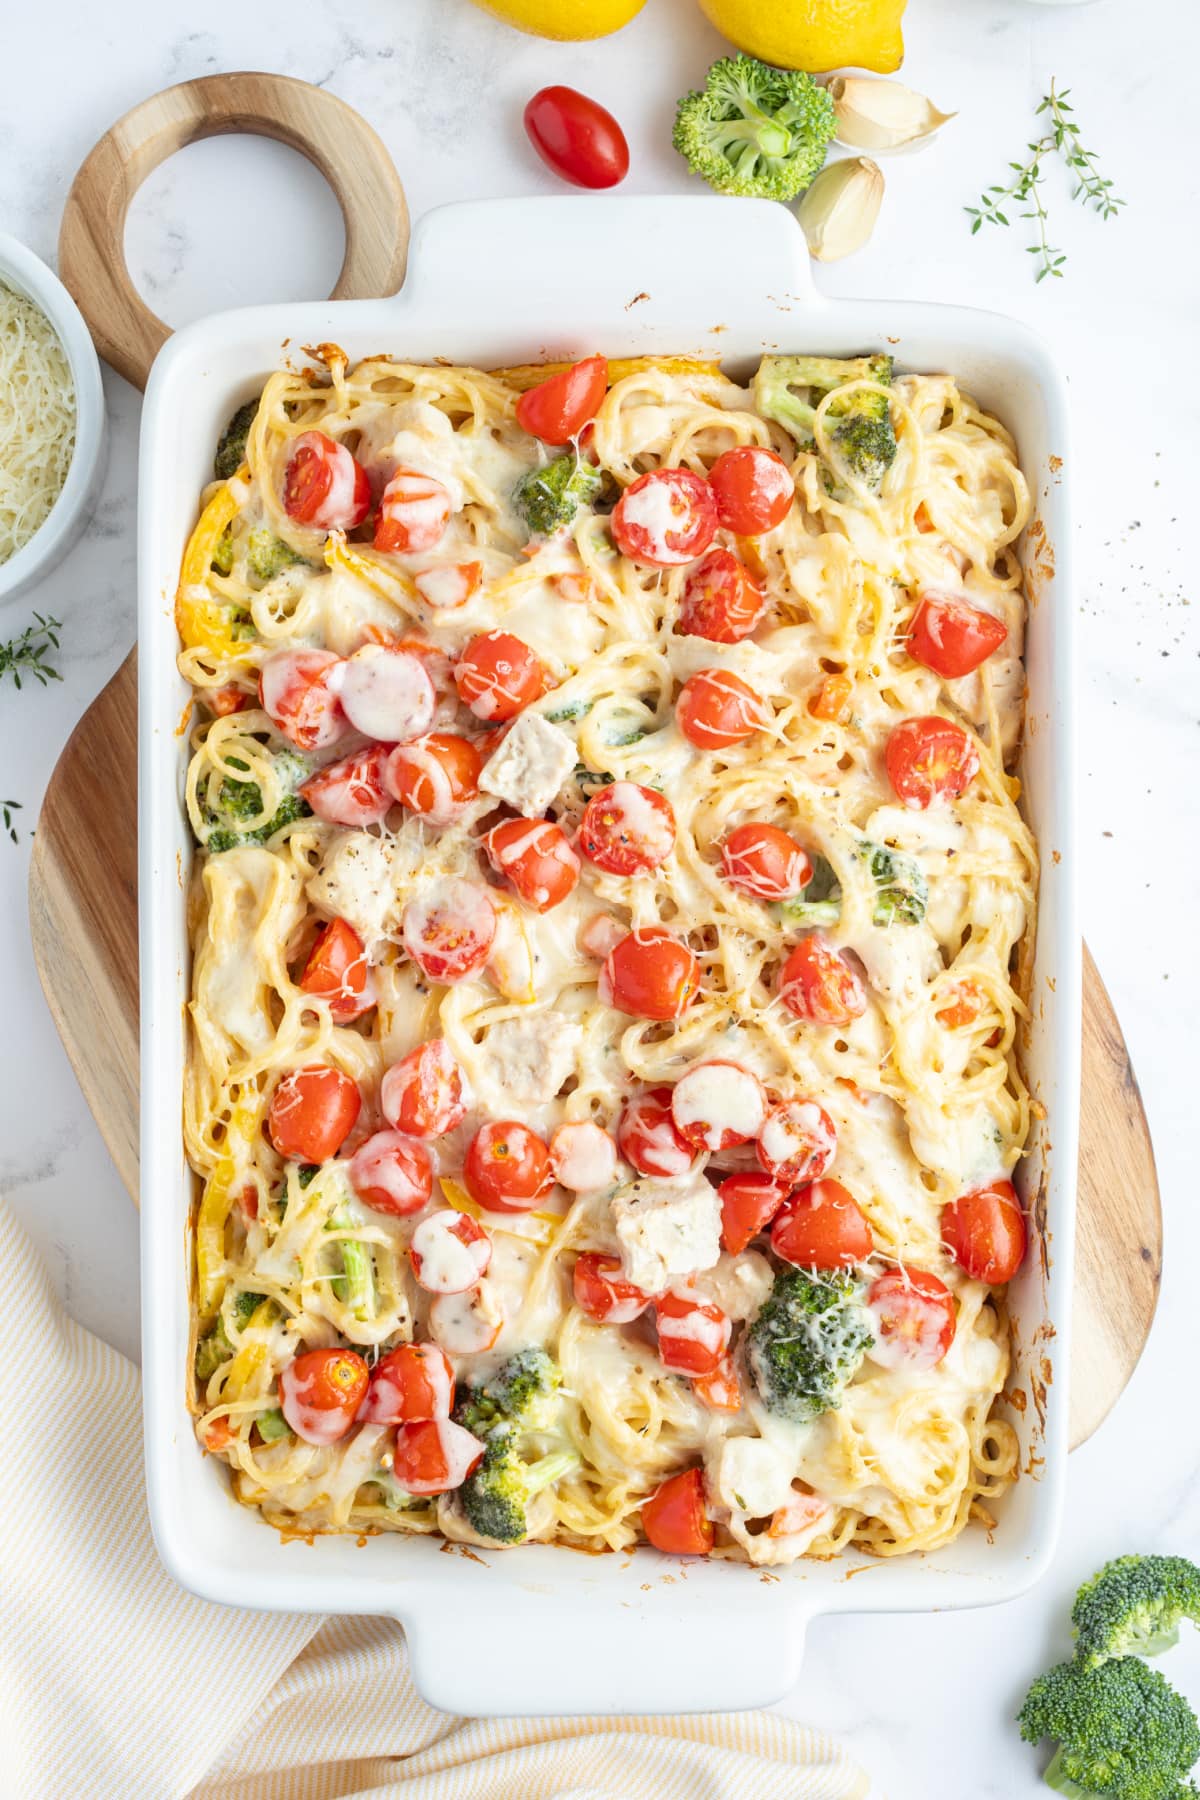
(754, 130)
(1122, 1731)
(515, 1413)
(807, 1340)
(215, 1347)
(549, 498)
(239, 801)
(222, 556)
(901, 891)
(789, 390)
(267, 554)
(1133, 1607)
(231, 449)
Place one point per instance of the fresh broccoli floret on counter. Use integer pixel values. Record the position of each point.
(231, 448)
(806, 1342)
(513, 1412)
(1122, 1731)
(1133, 1607)
(549, 498)
(901, 891)
(267, 554)
(789, 390)
(754, 130)
(238, 801)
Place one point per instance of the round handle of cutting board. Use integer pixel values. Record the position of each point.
(340, 143)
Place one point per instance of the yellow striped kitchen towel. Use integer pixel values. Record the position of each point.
(116, 1685)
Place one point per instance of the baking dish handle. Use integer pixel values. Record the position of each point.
(694, 257)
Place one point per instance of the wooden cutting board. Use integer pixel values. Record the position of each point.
(83, 889)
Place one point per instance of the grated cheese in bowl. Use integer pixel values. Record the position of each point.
(37, 420)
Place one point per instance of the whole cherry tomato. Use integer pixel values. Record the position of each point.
(717, 709)
(754, 489)
(651, 974)
(507, 1167)
(764, 862)
(577, 138)
(312, 1113)
(821, 1227)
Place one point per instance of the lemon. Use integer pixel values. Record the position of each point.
(815, 35)
(571, 19)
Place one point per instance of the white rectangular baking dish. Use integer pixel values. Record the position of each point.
(511, 282)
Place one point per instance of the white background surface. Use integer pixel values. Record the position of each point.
(926, 1701)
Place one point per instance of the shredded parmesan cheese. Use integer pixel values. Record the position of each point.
(37, 420)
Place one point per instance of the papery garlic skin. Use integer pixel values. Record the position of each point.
(882, 115)
(839, 210)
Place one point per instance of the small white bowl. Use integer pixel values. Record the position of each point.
(26, 274)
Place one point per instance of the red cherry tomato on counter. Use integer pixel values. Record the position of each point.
(754, 489)
(434, 1456)
(411, 1382)
(648, 1138)
(693, 1335)
(449, 1252)
(324, 487)
(627, 829)
(535, 858)
(721, 600)
(423, 1094)
(557, 409)
(764, 862)
(913, 1316)
(602, 1292)
(952, 637)
(497, 676)
(673, 1516)
(352, 791)
(448, 929)
(582, 1156)
(414, 510)
(507, 1167)
(721, 1391)
(930, 759)
(392, 1173)
(816, 982)
(718, 1104)
(313, 1112)
(821, 1227)
(716, 708)
(798, 1141)
(664, 518)
(295, 691)
(337, 971)
(650, 975)
(748, 1204)
(434, 776)
(577, 138)
(320, 1393)
(984, 1230)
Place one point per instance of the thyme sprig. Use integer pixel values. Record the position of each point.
(29, 651)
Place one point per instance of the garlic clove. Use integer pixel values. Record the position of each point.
(839, 210)
(882, 115)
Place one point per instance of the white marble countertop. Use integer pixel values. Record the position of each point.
(926, 1701)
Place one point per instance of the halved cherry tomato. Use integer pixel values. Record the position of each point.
(798, 1141)
(351, 791)
(222, 701)
(930, 759)
(647, 1136)
(411, 1382)
(831, 700)
(294, 690)
(913, 1316)
(963, 1006)
(798, 1514)
(754, 489)
(448, 929)
(435, 775)
(722, 1391)
(324, 487)
(716, 708)
(535, 858)
(422, 1095)
(449, 1252)
(718, 1104)
(386, 693)
(449, 585)
(507, 1167)
(650, 974)
(312, 1113)
(748, 1204)
(673, 1516)
(577, 138)
(816, 982)
(392, 1173)
(582, 1156)
(414, 510)
(498, 675)
(664, 518)
(721, 600)
(693, 1335)
(984, 1230)
(434, 1456)
(466, 1324)
(952, 637)
(822, 1227)
(320, 1393)
(765, 862)
(627, 829)
(337, 971)
(557, 409)
(602, 1292)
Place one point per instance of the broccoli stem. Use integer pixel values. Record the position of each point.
(547, 1470)
(355, 1286)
